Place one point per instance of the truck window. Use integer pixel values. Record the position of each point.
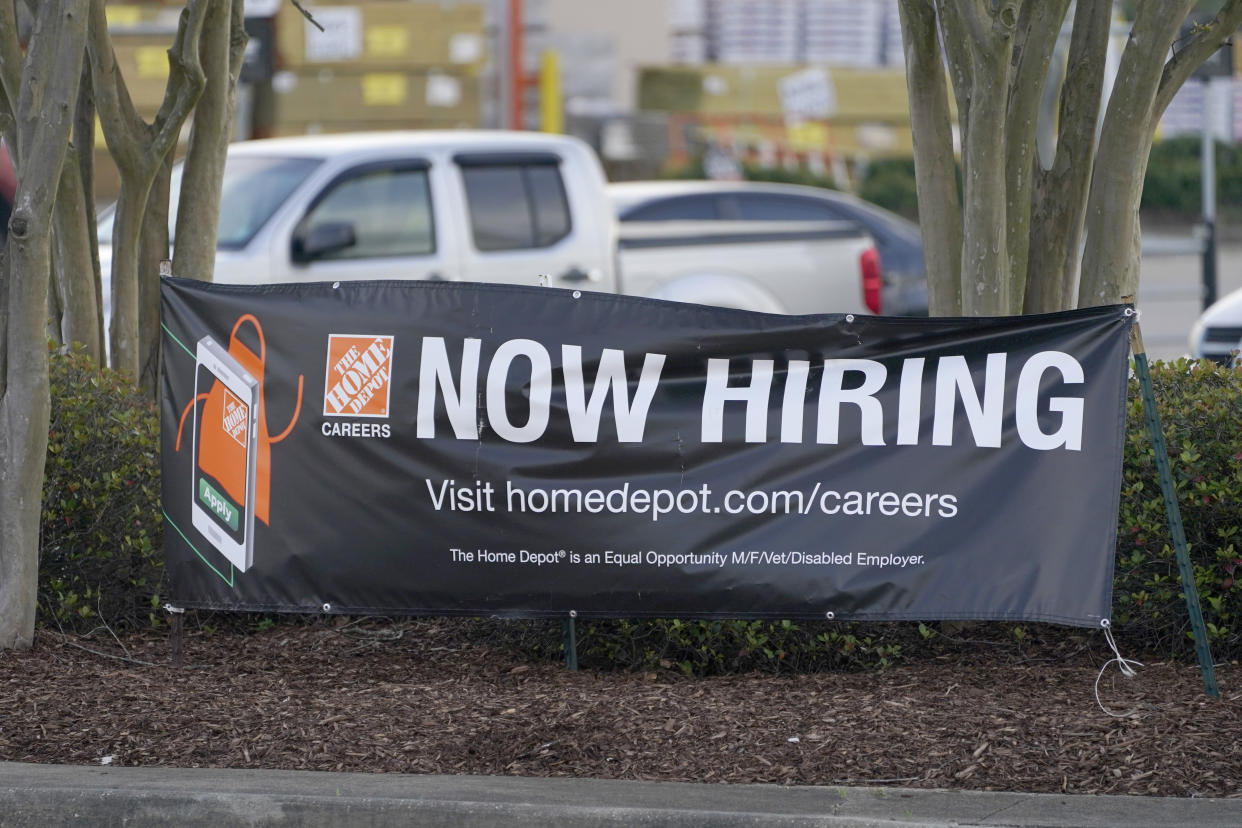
(764, 207)
(677, 208)
(389, 208)
(516, 205)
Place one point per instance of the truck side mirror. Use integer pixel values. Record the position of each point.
(322, 240)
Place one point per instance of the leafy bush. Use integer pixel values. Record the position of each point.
(102, 538)
(739, 646)
(1200, 407)
(100, 557)
(1173, 181)
(890, 184)
(694, 170)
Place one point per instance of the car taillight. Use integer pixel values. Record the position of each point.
(872, 279)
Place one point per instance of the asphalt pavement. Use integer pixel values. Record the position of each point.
(53, 795)
(1171, 289)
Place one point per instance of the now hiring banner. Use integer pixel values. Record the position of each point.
(436, 448)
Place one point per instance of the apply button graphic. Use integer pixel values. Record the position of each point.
(218, 504)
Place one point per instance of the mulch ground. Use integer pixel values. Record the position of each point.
(414, 698)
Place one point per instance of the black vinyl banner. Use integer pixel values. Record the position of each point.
(418, 447)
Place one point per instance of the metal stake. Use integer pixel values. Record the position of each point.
(175, 626)
(571, 640)
(1189, 590)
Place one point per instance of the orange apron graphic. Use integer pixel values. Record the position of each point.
(222, 450)
(222, 441)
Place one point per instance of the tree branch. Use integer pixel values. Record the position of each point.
(10, 73)
(953, 38)
(974, 14)
(185, 81)
(222, 51)
(123, 128)
(1206, 40)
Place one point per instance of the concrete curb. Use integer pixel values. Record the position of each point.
(41, 795)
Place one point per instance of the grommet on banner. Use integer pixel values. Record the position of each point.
(1122, 663)
(849, 317)
(830, 615)
(336, 285)
(577, 294)
(327, 608)
(573, 613)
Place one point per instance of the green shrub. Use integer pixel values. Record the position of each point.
(739, 646)
(890, 184)
(101, 547)
(1173, 181)
(1200, 408)
(101, 540)
(753, 172)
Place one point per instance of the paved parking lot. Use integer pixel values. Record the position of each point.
(1170, 291)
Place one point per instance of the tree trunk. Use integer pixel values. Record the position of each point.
(126, 232)
(940, 218)
(198, 216)
(1110, 266)
(1038, 27)
(74, 283)
(152, 249)
(1060, 194)
(985, 251)
(43, 123)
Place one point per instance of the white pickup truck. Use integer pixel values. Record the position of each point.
(513, 207)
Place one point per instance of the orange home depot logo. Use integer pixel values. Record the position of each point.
(236, 414)
(358, 376)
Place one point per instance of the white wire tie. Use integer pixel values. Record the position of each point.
(1122, 663)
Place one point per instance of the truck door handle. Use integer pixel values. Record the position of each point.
(577, 274)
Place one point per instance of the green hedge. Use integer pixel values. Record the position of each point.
(1172, 184)
(890, 184)
(102, 539)
(101, 547)
(754, 172)
(1200, 408)
(1173, 181)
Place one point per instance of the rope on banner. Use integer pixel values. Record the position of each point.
(1124, 664)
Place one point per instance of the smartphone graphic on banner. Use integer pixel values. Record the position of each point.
(225, 449)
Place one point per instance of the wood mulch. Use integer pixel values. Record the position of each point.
(413, 697)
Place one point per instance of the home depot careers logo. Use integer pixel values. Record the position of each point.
(358, 376)
(236, 417)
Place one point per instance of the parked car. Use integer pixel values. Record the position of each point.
(1217, 334)
(494, 206)
(899, 241)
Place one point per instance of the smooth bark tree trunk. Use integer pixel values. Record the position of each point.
(198, 217)
(43, 123)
